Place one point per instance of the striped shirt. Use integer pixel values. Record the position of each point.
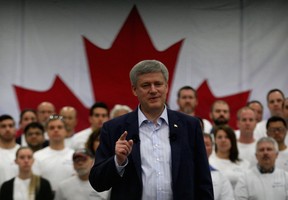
(155, 157)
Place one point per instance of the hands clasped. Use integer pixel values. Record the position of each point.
(123, 148)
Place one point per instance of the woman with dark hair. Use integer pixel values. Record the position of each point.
(225, 158)
(26, 117)
(93, 141)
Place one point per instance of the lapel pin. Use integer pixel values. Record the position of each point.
(175, 125)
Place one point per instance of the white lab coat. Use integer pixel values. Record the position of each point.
(222, 187)
(256, 186)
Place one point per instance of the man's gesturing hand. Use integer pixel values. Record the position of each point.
(123, 148)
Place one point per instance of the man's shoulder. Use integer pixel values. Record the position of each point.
(41, 152)
(283, 152)
(69, 182)
(84, 131)
(281, 172)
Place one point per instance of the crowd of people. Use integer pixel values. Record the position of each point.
(149, 152)
(52, 152)
(253, 158)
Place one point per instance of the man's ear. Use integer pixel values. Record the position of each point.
(133, 88)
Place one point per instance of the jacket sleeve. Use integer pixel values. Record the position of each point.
(103, 174)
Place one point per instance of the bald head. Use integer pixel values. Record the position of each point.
(69, 114)
(44, 110)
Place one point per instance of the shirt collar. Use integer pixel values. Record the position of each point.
(142, 118)
(212, 168)
(263, 171)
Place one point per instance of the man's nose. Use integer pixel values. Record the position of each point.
(153, 88)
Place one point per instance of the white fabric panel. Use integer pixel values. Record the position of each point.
(234, 50)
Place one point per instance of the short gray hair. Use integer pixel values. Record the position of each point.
(145, 67)
(269, 140)
(117, 108)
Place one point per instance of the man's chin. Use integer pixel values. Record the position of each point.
(188, 110)
(222, 122)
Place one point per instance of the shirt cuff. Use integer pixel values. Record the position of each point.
(120, 168)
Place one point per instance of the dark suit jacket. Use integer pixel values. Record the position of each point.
(191, 177)
(44, 192)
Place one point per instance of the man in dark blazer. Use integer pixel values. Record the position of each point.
(152, 152)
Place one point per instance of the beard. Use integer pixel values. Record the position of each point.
(220, 121)
(188, 110)
(82, 172)
(7, 138)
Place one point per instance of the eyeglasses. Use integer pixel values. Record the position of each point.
(30, 134)
(54, 117)
(276, 129)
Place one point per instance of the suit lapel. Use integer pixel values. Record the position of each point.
(133, 133)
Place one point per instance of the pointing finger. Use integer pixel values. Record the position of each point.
(123, 136)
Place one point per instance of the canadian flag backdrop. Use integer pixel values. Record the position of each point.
(73, 52)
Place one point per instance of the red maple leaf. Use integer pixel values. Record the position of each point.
(109, 71)
(206, 98)
(59, 94)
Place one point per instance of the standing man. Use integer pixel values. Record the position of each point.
(69, 114)
(275, 102)
(220, 113)
(98, 114)
(34, 136)
(152, 152)
(277, 129)
(8, 148)
(54, 162)
(44, 110)
(258, 109)
(246, 121)
(78, 187)
(187, 101)
(264, 181)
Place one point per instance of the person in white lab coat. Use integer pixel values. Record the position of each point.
(78, 187)
(226, 157)
(221, 185)
(264, 181)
